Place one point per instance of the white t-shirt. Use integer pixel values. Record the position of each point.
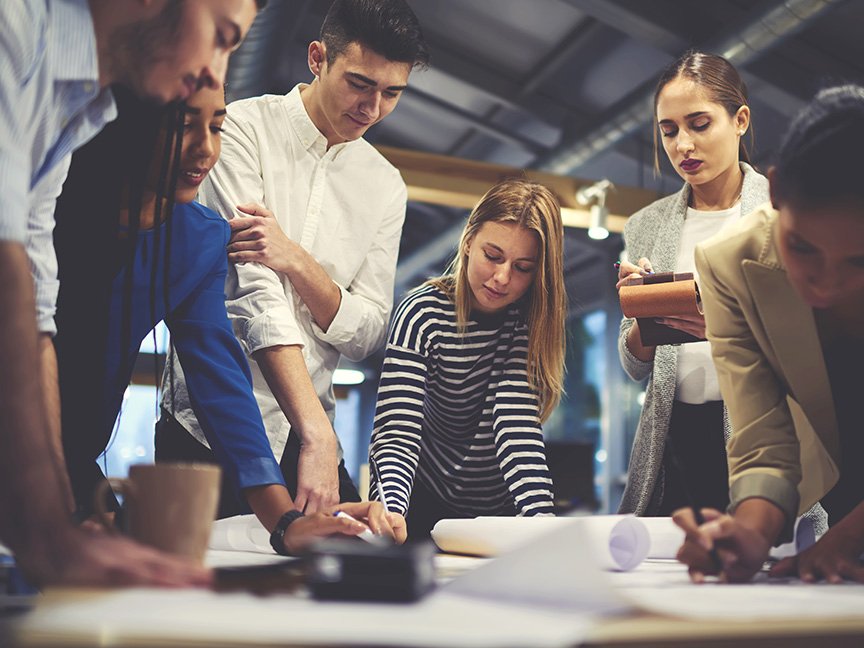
(696, 379)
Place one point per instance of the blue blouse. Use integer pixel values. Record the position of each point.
(216, 369)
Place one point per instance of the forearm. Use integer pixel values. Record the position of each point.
(521, 452)
(315, 287)
(268, 503)
(635, 346)
(286, 374)
(31, 503)
(398, 424)
(51, 392)
(395, 452)
(762, 516)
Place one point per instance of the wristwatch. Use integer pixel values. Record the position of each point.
(277, 538)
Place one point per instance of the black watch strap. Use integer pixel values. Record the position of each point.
(277, 538)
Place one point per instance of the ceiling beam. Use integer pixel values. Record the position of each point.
(739, 45)
(550, 65)
(627, 21)
(456, 182)
(507, 136)
(448, 58)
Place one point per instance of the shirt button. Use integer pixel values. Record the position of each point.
(88, 87)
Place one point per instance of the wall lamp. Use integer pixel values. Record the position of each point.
(595, 196)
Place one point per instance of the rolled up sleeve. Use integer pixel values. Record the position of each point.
(260, 308)
(40, 245)
(14, 195)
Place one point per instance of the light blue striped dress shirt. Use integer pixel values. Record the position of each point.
(50, 104)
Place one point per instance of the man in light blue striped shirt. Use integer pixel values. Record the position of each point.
(57, 59)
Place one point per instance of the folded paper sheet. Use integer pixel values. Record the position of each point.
(665, 294)
(557, 569)
(622, 541)
(240, 533)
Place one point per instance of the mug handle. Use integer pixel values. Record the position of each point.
(123, 487)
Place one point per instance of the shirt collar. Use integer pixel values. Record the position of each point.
(73, 42)
(310, 137)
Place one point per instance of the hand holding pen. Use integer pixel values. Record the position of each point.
(708, 530)
(721, 546)
(627, 270)
(382, 523)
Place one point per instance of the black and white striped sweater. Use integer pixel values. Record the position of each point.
(457, 413)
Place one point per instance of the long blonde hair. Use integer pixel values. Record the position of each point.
(533, 207)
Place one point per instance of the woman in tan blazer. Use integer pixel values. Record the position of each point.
(783, 293)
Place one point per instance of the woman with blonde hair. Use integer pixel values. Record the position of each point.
(474, 364)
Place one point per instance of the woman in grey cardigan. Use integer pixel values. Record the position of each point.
(701, 110)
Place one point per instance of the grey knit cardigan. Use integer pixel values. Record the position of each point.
(654, 232)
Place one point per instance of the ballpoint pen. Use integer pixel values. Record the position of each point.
(378, 483)
(691, 504)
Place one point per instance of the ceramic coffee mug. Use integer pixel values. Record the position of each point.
(170, 506)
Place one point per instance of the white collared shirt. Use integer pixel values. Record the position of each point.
(345, 205)
(50, 104)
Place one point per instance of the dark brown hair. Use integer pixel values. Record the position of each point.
(388, 27)
(720, 80)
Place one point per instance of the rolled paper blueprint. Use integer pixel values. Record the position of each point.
(621, 541)
(667, 538)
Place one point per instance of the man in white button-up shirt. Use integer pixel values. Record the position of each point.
(299, 162)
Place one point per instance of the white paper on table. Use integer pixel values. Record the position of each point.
(665, 588)
(240, 533)
(172, 616)
(559, 569)
(216, 559)
(622, 541)
(449, 566)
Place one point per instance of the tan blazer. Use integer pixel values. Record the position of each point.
(784, 445)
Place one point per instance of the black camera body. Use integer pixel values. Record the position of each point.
(351, 569)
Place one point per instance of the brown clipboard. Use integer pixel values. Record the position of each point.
(665, 294)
